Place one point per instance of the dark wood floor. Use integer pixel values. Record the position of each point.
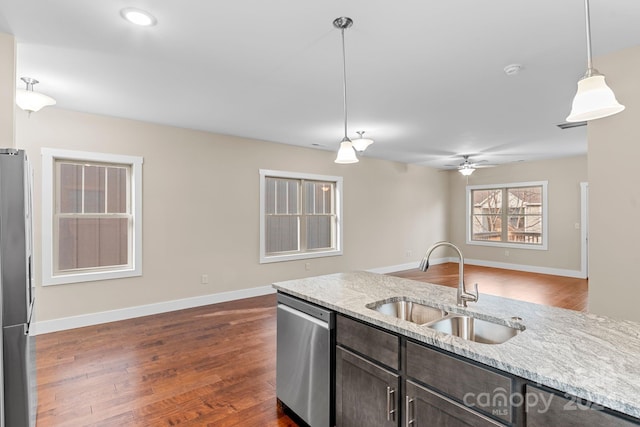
(209, 366)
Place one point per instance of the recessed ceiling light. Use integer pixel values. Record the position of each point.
(138, 17)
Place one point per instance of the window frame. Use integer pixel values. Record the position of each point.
(505, 215)
(337, 180)
(49, 158)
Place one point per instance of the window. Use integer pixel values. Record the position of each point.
(299, 216)
(510, 215)
(92, 214)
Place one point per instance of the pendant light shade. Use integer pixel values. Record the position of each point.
(361, 144)
(594, 99)
(31, 101)
(346, 153)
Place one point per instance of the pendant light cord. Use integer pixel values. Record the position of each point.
(344, 82)
(590, 69)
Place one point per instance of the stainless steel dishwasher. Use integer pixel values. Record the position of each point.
(304, 366)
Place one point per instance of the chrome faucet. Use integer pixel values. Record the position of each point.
(462, 296)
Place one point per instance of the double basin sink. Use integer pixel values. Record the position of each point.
(460, 325)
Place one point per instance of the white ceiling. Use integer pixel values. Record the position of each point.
(425, 78)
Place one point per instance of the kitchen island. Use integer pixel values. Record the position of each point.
(583, 355)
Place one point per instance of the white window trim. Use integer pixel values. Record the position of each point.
(295, 175)
(545, 216)
(49, 156)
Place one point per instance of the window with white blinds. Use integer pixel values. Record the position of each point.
(299, 216)
(91, 216)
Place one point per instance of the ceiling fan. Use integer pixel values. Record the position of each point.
(467, 167)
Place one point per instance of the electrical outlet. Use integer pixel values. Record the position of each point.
(307, 266)
(506, 253)
(409, 254)
(204, 279)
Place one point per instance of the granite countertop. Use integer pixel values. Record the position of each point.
(593, 357)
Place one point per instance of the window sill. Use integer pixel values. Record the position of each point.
(542, 247)
(64, 279)
(291, 257)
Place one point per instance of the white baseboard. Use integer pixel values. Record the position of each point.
(80, 321)
(527, 268)
(482, 263)
(407, 266)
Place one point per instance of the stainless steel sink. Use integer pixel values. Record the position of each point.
(473, 329)
(404, 309)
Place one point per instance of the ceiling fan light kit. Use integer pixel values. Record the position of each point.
(31, 101)
(466, 170)
(594, 99)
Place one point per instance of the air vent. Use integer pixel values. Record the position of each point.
(569, 125)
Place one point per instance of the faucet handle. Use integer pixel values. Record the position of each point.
(471, 296)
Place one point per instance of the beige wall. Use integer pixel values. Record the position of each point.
(7, 89)
(201, 210)
(564, 177)
(614, 194)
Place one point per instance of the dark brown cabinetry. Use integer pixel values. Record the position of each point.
(478, 388)
(366, 393)
(381, 346)
(424, 407)
(546, 409)
(367, 379)
(385, 379)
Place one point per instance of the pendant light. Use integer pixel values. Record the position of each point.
(361, 144)
(29, 100)
(346, 153)
(594, 99)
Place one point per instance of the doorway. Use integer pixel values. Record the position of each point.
(584, 229)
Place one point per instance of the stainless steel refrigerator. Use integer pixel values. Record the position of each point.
(17, 357)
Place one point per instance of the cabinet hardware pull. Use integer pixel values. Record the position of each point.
(390, 411)
(409, 415)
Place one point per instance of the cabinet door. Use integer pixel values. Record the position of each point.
(547, 409)
(479, 388)
(427, 408)
(367, 395)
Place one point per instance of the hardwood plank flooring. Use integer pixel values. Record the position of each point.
(559, 291)
(212, 365)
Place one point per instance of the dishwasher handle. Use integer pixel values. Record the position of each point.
(304, 316)
(312, 310)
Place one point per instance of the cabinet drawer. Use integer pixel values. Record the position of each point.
(478, 388)
(372, 342)
(545, 409)
(427, 408)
